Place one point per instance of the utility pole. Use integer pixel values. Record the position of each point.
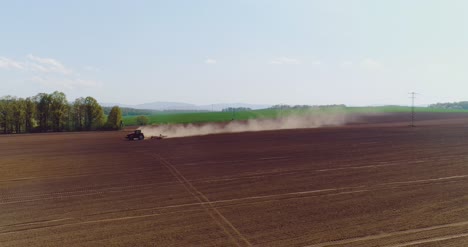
(413, 96)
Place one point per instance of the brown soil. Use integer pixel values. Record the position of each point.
(373, 183)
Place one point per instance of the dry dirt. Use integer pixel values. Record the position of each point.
(377, 183)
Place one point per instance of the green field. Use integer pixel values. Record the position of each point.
(202, 117)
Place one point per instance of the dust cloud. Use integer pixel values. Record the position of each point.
(287, 122)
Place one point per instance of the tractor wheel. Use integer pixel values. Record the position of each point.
(141, 137)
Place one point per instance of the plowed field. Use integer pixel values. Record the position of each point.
(373, 183)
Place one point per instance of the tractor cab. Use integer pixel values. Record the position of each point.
(136, 135)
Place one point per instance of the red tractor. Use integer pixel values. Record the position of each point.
(136, 135)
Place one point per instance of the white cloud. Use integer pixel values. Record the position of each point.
(7, 63)
(48, 65)
(48, 72)
(285, 60)
(371, 64)
(35, 64)
(211, 61)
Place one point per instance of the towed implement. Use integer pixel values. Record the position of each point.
(159, 137)
(136, 135)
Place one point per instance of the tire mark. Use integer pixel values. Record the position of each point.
(117, 218)
(210, 204)
(356, 167)
(233, 202)
(370, 188)
(113, 189)
(430, 240)
(192, 190)
(50, 198)
(83, 222)
(36, 222)
(427, 180)
(387, 235)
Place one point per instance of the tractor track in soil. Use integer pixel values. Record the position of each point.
(91, 192)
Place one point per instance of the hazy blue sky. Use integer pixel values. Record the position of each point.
(253, 51)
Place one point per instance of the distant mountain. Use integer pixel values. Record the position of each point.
(116, 104)
(219, 107)
(167, 106)
(179, 106)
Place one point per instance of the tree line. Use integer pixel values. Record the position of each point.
(53, 112)
(126, 111)
(283, 106)
(231, 109)
(462, 105)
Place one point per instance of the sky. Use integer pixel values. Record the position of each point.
(354, 52)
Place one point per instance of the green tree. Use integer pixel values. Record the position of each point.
(69, 117)
(94, 116)
(52, 112)
(6, 112)
(58, 110)
(114, 119)
(78, 113)
(18, 114)
(43, 101)
(142, 120)
(29, 113)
